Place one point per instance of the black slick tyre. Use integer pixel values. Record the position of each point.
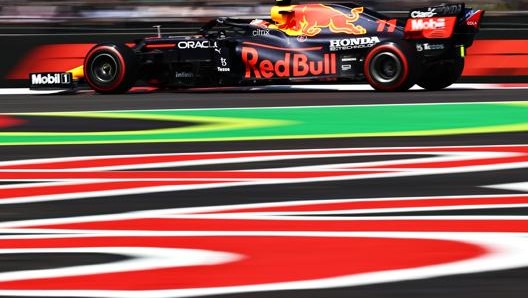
(390, 67)
(442, 74)
(110, 68)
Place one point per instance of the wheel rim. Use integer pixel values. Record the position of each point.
(104, 68)
(386, 67)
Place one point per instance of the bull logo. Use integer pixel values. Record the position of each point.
(309, 19)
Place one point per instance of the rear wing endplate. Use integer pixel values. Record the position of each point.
(441, 21)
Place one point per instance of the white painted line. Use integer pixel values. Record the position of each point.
(27, 91)
(365, 87)
(322, 87)
(520, 186)
(141, 258)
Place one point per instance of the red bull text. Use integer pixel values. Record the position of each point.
(291, 65)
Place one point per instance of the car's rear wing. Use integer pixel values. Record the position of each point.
(442, 21)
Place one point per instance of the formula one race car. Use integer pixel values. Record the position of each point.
(297, 43)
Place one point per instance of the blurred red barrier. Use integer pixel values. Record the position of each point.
(50, 58)
(497, 58)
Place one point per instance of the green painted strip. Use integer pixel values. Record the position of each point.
(295, 123)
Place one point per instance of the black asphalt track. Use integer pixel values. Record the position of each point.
(508, 283)
(227, 98)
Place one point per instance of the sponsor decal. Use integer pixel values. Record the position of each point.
(291, 65)
(429, 47)
(260, 32)
(51, 78)
(302, 38)
(353, 43)
(223, 67)
(443, 10)
(431, 23)
(450, 10)
(423, 14)
(472, 23)
(439, 27)
(473, 18)
(184, 75)
(198, 44)
(310, 19)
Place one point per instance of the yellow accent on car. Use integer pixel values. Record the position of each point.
(77, 72)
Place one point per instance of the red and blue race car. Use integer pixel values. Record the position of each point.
(300, 43)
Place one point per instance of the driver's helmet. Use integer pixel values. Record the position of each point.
(259, 23)
(282, 15)
(282, 2)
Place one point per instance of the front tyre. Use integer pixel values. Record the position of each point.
(440, 75)
(110, 68)
(390, 67)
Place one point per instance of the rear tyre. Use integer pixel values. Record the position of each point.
(391, 67)
(110, 68)
(440, 75)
